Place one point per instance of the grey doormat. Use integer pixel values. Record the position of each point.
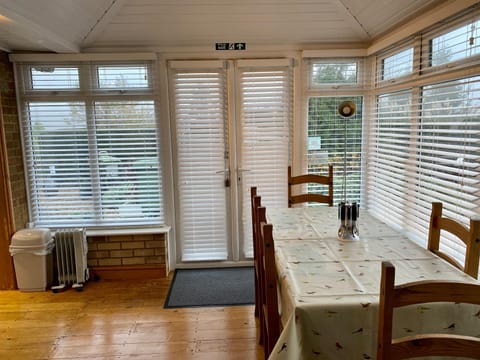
(211, 287)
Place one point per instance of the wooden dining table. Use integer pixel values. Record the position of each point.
(329, 289)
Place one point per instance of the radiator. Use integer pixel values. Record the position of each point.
(71, 252)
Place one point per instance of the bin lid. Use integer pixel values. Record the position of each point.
(31, 237)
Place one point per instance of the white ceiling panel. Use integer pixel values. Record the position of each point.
(87, 25)
(379, 16)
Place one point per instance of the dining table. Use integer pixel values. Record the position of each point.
(329, 289)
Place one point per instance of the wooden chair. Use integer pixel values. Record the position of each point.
(260, 214)
(271, 316)
(257, 258)
(471, 238)
(392, 296)
(253, 194)
(310, 179)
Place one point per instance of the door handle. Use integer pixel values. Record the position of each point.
(226, 172)
(240, 171)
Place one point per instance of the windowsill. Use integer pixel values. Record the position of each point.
(129, 231)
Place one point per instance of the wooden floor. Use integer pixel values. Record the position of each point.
(121, 320)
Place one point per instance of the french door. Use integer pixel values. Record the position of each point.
(231, 131)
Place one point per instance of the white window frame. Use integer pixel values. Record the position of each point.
(412, 43)
(414, 219)
(358, 85)
(88, 93)
(333, 91)
(430, 34)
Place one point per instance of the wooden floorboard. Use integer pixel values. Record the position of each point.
(120, 320)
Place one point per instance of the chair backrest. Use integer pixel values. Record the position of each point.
(471, 238)
(255, 202)
(270, 300)
(310, 179)
(419, 292)
(253, 208)
(258, 215)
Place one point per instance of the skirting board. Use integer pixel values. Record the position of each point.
(128, 272)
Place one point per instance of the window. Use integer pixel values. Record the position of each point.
(448, 154)
(397, 65)
(333, 72)
(426, 149)
(121, 77)
(91, 157)
(423, 138)
(53, 77)
(456, 44)
(389, 155)
(326, 145)
(327, 132)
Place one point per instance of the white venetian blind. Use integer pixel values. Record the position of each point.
(91, 155)
(448, 153)
(128, 159)
(388, 156)
(426, 149)
(199, 97)
(265, 114)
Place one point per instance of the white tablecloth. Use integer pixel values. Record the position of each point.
(329, 288)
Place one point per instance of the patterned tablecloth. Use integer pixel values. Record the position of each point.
(329, 288)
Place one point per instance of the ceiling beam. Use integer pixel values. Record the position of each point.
(102, 22)
(32, 31)
(353, 21)
(5, 47)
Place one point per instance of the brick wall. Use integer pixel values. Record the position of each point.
(142, 249)
(13, 142)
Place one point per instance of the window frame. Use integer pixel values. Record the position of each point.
(449, 26)
(333, 91)
(412, 43)
(415, 221)
(393, 78)
(89, 93)
(358, 85)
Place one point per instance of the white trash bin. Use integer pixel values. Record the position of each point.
(32, 257)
